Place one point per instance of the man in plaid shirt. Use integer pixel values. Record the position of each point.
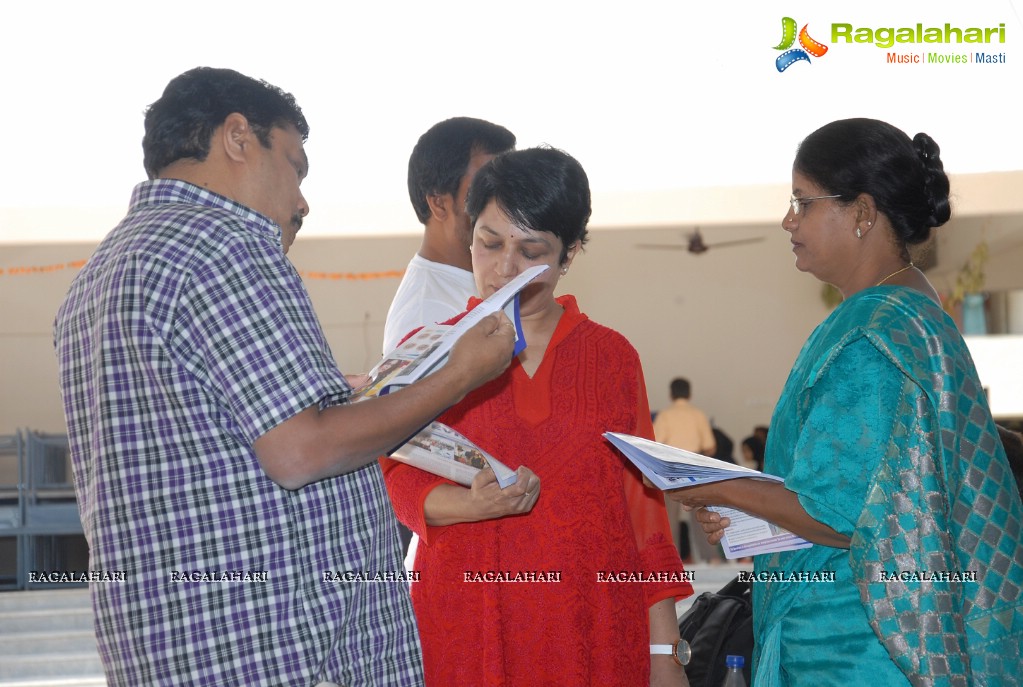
(216, 460)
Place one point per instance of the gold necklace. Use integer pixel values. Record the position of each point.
(895, 272)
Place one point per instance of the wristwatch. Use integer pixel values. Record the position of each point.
(678, 650)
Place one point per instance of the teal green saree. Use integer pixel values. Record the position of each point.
(884, 433)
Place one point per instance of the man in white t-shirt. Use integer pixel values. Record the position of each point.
(438, 281)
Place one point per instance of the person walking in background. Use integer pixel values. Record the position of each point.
(685, 426)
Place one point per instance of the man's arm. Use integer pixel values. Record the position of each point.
(315, 444)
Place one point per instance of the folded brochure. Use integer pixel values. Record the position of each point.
(441, 450)
(668, 467)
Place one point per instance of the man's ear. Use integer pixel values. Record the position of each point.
(236, 137)
(441, 205)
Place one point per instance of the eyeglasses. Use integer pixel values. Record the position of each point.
(797, 202)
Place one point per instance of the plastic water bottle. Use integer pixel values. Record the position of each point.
(734, 677)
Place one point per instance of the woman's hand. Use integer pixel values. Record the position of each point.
(712, 523)
(700, 495)
(450, 504)
(664, 672)
(488, 500)
(764, 499)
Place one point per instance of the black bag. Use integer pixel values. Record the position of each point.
(718, 624)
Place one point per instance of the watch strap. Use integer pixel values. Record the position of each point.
(668, 650)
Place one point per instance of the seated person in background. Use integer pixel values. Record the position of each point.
(724, 445)
(753, 453)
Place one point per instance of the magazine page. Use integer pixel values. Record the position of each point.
(428, 349)
(441, 450)
(404, 360)
(668, 468)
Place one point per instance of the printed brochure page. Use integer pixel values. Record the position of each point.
(747, 535)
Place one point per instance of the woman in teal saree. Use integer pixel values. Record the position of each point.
(892, 463)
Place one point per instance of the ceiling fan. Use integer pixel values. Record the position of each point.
(695, 244)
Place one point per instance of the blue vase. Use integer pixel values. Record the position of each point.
(974, 319)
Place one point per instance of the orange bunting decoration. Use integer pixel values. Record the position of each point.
(331, 276)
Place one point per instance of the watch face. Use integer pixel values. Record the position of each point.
(684, 652)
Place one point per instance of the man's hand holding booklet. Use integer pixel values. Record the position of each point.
(428, 349)
(438, 448)
(668, 468)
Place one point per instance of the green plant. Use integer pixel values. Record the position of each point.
(971, 276)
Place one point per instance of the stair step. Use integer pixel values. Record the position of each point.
(57, 682)
(28, 644)
(14, 623)
(47, 639)
(39, 666)
(34, 600)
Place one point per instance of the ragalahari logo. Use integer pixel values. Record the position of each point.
(788, 37)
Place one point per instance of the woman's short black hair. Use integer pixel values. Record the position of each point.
(906, 178)
(541, 189)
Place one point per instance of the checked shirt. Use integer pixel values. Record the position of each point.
(186, 337)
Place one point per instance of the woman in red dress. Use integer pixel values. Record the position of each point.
(574, 582)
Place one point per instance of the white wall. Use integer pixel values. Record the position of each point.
(732, 320)
(1000, 358)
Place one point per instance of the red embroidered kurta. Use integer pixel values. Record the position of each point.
(594, 520)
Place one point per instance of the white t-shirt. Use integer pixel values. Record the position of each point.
(430, 292)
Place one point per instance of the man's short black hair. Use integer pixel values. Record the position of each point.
(680, 388)
(441, 157)
(180, 124)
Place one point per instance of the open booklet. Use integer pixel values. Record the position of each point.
(668, 467)
(428, 349)
(443, 451)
